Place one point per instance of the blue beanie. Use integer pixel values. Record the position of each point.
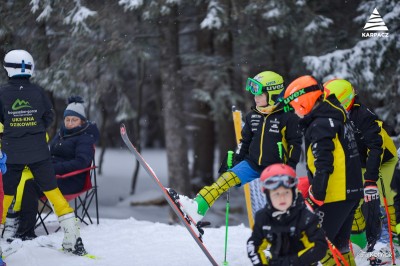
(75, 108)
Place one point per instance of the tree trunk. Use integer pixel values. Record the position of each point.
(174, 123)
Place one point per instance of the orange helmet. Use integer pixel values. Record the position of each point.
(302, 94)
(343, 91)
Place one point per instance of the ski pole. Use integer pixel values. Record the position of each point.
(388, 221)
(336, 254)
(229, 164)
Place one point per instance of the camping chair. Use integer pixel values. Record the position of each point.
(82, 199)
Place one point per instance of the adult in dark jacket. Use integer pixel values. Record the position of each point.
(333, 163)
(71, 149)
(266, 126)
(26, 112)
(285, 226)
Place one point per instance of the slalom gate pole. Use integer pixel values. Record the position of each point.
(229, 163)
(388, 221)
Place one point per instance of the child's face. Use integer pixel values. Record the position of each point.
(281, 198)
(261, 100)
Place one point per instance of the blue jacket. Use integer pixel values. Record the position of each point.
(73, 150)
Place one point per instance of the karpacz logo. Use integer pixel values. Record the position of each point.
(376, 24)
(293, 96)
(19, 104)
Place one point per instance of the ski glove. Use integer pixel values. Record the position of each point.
(224, 165)
(371, 191)
(311, 202)
(3, 166)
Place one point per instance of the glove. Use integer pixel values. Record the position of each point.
(224, 165)
(311, 202)
(371, 191)
(3, 166)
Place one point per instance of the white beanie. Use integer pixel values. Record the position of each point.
(75, 107)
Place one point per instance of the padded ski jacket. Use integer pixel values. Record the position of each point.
(374, 144)
(71, 150)
(294, 238)
(261, 134)
(333, 161)
(25, 112)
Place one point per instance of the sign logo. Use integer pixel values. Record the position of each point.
(375, 26)
(19, 104)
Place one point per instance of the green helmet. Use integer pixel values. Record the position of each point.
(269, 82)
(343, 91)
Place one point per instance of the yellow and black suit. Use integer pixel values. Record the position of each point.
(378, 157)
(261, 134)
(334, 168)
(292, 238)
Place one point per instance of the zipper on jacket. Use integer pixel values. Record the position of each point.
(262, 140)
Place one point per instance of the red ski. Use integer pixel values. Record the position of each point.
(169, 197)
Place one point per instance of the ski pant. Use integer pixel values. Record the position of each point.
(368, 217)
(43, 172)
(29, 202)
(336, 219)
(239, 175)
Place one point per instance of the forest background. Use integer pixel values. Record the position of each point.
(172, 69)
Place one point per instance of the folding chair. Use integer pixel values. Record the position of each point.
(82, 199)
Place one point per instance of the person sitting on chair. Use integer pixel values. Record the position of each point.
(71, 149)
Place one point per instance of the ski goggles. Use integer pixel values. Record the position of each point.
(274, 182)
(256, 88)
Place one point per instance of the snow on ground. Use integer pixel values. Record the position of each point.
(141, 235)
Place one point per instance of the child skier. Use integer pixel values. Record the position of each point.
(285, 225)
(378, 160)
(266, 125)
(26, 112)
(333, 163)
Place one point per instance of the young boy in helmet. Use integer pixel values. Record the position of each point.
(378, 160)
(26, 112)
(333, 163)
(285, 225)
(265, 126)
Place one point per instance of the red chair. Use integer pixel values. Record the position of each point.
(82, 199)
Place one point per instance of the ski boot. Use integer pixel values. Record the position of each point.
(190, 207)
(72, 241)
(10, 228)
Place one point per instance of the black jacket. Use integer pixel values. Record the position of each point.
(25, 112)
(261, 134)
(333, 162)
(295, 238)
(73, 150)
(374, 144)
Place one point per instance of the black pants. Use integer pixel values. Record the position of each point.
(29, 203)
(336, 219)
(42, 171)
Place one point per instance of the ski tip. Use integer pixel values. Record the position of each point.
(122, 129)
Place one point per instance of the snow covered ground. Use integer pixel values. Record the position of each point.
(140, 235)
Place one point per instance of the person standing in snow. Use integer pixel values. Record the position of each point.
(333, 163)
(26, 112)
(266, 126)
(71, 149)
(285, 226)
(378, 160)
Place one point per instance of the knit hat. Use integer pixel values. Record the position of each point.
(75, 107)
